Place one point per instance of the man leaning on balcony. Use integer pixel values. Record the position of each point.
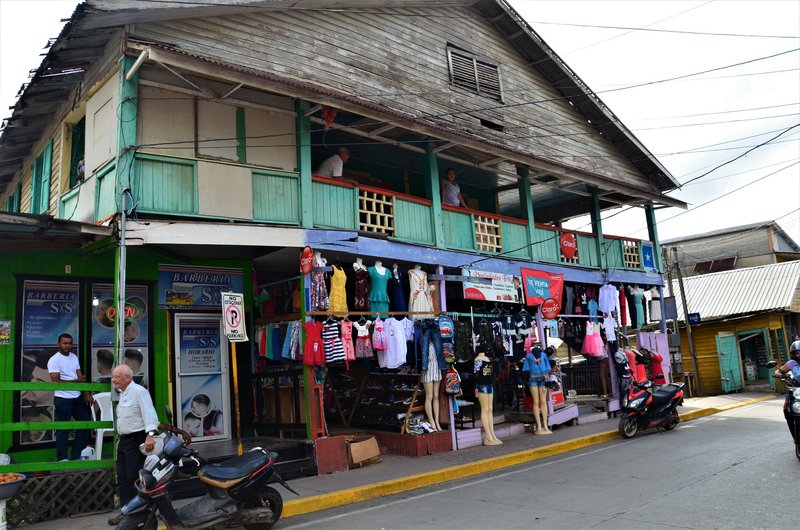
(334, 166)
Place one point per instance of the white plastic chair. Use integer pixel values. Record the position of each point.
(103, 402)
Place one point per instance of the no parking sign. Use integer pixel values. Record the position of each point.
(233, 316)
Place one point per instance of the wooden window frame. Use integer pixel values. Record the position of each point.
(476, 62)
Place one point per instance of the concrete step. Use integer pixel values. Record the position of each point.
(472, 437)
(592, 417)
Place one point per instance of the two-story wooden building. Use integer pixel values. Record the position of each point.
(170, 150)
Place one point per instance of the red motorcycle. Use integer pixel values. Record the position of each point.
(646, 410)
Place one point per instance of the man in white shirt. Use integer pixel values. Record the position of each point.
(334, 166)
(137, 422)
(64, 367)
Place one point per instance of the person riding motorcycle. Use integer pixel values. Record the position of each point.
(793, 366)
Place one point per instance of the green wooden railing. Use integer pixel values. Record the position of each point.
(169, 185)
(29, 467)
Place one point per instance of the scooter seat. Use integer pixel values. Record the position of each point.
(236, 467)
(665, 394)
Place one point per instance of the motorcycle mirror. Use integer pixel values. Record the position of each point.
(168, 412)
(772, 364)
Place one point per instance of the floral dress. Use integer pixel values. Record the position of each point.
(361, 301)
(421, 301)
(347, 340)
(363, 342)
(319, 291)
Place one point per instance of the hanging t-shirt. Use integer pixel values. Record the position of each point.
(398, 332)
(609, 326)
(552, 329)
(592, 310)
(608, 298)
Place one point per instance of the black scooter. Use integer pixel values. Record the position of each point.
(645, 410)
(791, 407)
(237, 491)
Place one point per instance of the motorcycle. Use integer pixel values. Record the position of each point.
(646, 410)
(791, 407)
(237, 491)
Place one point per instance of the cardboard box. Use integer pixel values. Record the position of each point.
(362, 450)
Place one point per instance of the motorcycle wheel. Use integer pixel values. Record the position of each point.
(628, 427)
(269, 498)
(148, 521)
(672, 421)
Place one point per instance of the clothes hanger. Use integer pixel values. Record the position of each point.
(330, 319)
(362, 320)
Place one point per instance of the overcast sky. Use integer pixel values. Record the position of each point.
(738, 66)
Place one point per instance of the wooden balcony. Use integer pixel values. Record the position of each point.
(172, 186)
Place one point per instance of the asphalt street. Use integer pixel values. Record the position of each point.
(734, 469)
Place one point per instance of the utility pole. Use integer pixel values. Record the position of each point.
(688, 325)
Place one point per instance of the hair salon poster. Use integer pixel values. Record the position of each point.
(541, 286)
(187, 287)
(136, 335)
(202, 386)
(503, 287)
(48, 310)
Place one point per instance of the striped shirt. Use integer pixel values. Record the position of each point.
(332, 342)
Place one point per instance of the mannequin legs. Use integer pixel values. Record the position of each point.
(487, 419)
(432, 403)
(540, 410)
(604, 380)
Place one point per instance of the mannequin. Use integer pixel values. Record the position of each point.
(431, 381)
(484, 388)
(420, 301)
(359, 265)
(538, 367)
(319, 261)
(379, 296)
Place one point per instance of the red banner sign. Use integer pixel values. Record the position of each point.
(569, 247)
(306, 260)
(540, 286)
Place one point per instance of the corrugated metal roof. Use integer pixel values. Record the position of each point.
(740, 291)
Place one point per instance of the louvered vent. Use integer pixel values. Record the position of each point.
(472, 74)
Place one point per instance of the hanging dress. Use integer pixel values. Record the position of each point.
(638, 298)
(420, 300)
(334, 351)
(347, 341)
(363, 342)
(313, 352)
(338, 298)
(361, 284)
(397, 296)
(319, 291)
(378, 297)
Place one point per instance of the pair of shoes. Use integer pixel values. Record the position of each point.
(114, 521)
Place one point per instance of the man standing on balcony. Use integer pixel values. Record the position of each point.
(333, 166)
(64, 367)
(451, 191)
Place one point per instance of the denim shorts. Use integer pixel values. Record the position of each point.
(536, 380)
(484, 389)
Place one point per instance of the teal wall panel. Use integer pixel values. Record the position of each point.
(459, 230)
(334, 206)
(515, 239)
(276, 198)
(105, 194)
(587, 251)
(613, 251)
(413, 222)
(546, 245)
(167, 186)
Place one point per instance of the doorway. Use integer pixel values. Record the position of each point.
(201, 366)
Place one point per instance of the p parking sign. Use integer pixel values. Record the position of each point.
(233, 317)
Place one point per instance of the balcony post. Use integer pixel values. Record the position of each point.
(597, 228)
(652, 234)
(303, 141)
(126, 129)
(433, 188)
(526, 205)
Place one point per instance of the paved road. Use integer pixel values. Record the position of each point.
(731, 470)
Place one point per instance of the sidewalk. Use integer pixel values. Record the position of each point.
(396, 473)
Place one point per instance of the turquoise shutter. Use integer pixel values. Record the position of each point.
(44, 198)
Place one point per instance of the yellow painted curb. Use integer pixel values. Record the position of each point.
(699, 413)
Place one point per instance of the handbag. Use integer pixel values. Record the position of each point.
(452, 381)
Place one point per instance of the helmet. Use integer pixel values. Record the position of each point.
(794, 349)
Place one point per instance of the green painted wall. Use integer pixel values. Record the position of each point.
(98, 267)
(413, 222)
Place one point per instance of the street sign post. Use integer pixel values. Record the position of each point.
(233, 318)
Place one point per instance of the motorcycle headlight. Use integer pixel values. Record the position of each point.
(636, 403)
(796, 393)
(147, 479)
(796, 407)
